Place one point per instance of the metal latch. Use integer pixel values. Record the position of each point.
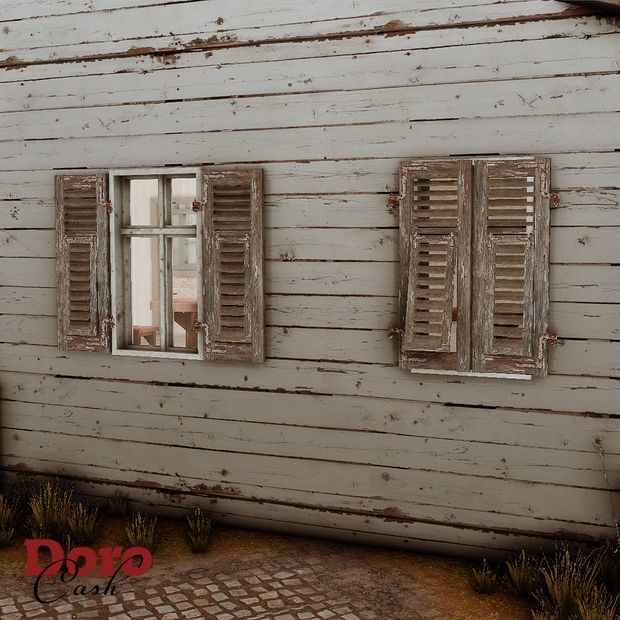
(392, 204)
(394, 331)
(198, 325)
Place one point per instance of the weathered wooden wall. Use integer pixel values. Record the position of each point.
(328, 436)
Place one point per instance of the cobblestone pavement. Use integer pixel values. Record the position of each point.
(318, 581)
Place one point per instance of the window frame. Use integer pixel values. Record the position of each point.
(118, 178)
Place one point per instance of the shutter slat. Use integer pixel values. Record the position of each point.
(82, 237)
(233, 256)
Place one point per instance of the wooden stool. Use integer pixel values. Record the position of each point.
(148, 332)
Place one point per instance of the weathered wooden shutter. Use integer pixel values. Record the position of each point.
(233, 265)
(511, 273)
(82, 237)
(435, 255)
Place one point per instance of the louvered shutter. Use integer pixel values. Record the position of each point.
(511, 281)
(233, 265)
(435, 260)
(82, 237)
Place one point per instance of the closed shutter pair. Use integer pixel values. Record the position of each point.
(474, 265)
(232, 286)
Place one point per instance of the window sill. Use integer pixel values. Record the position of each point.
(480, 375)
(168, 355)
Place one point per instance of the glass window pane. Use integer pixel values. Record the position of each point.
(145, 319)
(143, 202)
(183, 193)
(184, 291)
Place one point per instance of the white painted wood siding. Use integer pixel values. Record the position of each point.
(328, 437)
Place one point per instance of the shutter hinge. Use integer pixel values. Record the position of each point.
(393, 203)
(197, 205)
(544, 341)
(394, 331)
(555, 199)
(107, 206)
(109, 320)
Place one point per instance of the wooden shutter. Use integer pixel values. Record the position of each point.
(435, 256)
(82, 237)
(511, 281)
(233, 265)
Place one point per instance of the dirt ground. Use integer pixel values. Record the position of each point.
(304, 578)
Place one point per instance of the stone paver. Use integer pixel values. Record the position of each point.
(320, 581)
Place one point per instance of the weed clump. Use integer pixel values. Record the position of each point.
(199, 528)
(141, 530)
(484, 579)
(568, 584)
(523, 575)
(118, 505)
(50, 503)
(82, 522)
(9, 516)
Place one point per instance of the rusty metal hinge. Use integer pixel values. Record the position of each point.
(109, 320)
(393, 203)
(197, 205)
(107, 206)
(544, 341)
(198, 325)
(395, 331)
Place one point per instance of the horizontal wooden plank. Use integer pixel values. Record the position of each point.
(367, 210)
(576, 27)
(569, 320)
(355, 527)
(343, 484)
(576, 283)
(28, 300)
(582, 245)
(132, 28)
(572, 357)
(593, 207)
(416, 453)
(571, 171)
(563, 133)
(586, 357)
(584, 320)
(336, 70)
(308, 520)
(379, 520)
(24, 9)
(585, 394)
(498, 99)
(581, 283)
(515, 427)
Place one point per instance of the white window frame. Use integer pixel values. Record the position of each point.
(118, 296)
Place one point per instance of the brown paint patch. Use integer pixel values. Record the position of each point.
(12, 62)
(147, 484)
(392, 28)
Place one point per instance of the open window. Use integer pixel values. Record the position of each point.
(474, 264)
(183, 274)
